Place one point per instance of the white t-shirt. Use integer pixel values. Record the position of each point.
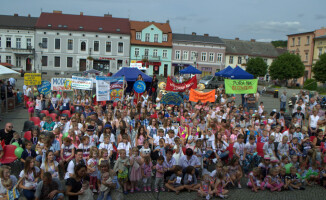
(269, 148)
(51, 169)
(29, 180)
(157, 139)
(145, 151)
(239, 148)
(67, 150)
(283, 149)
(25, 90)
(108, 147)
(86, 149)
(251, 148)
(278, 137)
(112, 138)
(124, 146)
(38, 105)
(313, 121)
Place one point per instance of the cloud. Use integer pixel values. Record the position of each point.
(272, 27)
(320, 16)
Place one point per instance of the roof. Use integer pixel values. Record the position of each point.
(138, 26)
(17, 22)
(241, 47)
(196, 38)
(321, 37)
(131, 74)
(301, 33)
(106, 24)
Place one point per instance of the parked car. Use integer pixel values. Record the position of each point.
(211, 81)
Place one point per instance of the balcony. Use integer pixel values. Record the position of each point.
(23, 51)
(152, 58)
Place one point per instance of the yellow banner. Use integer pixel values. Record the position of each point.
(32, 79)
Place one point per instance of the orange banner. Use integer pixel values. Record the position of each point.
(195, 96)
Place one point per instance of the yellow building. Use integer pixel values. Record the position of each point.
(319, 47)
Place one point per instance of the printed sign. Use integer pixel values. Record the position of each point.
(233, 86)
(82, 83)
(32, 79)
(44, 88)
(109, 88)
(61, 84)
(139, 86)
(137, 65)
(181, 87)
(195, 96)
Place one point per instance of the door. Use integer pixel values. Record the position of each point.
(82, 65)
(165, 70)
(28, 65)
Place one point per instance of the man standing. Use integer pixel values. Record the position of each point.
(7, 133)
(251, 102)
(299, 115)
(283, 100)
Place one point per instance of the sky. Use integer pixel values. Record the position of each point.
(263, 20)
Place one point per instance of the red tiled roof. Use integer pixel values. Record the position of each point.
(106, 24)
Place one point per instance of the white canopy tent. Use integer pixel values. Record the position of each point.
(6, 73)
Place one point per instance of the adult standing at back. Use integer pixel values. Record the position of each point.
(283, 100)
(7, 133)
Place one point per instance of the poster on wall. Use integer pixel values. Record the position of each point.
(61, 84)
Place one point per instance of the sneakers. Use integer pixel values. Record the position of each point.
(145, 189)
(239, 186)
(132, 191)
(156, 190)
(149, 189)
(94, 190)
(162, 189)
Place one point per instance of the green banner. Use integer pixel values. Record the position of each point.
(233, 86)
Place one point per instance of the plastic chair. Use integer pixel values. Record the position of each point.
(66, 112)
(260, 150)
(9, 154)
(28, 125)
(36, 121)
(46, 112)
(53, 116)
(28, 135)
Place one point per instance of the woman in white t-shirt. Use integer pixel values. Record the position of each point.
(65, 101)
(313, 119)
(50, 165)
(31, 175)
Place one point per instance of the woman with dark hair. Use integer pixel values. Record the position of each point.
(140, 78)
(74, 184)
(30, 176)
(153, 88)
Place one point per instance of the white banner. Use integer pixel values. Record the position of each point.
(138, 66)
(102, 88)
(82, 83)
(61, 84)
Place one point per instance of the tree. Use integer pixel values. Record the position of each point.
(286, 66)
(257, 67)
(319, 69)
(280, 43)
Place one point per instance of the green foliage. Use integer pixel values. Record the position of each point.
(310, 84)
(319, 69)
(286, 66)
(257, 67)
(280, 43)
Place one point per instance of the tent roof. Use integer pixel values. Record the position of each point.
(224, 71)
(131, 74)
(239, 73)
(7, 73)
(190, 70)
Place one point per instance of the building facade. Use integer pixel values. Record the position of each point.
(204, 52)
(151, 45)
(77, 43)
(319, 47)
(17, 41)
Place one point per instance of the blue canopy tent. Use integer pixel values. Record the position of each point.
(131, 75)
(190, 70)
(239, 73)
(224, 71)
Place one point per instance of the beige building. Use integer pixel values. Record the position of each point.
(319, 47)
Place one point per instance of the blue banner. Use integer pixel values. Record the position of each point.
(172, 98)
(44, 88)
(139, 86)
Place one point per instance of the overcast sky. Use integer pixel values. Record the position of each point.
(263, 20)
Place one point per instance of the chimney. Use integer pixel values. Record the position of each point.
(81, 13)
(29, 15)
(107, 15)
(57, 11)
(193, 33)
(236, 38)
(16, 15)
(168, 21)
(253, 40)
(206, 35)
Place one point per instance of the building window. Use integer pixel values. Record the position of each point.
(155, 37)
(219, 57)
(18, 62)
(138, 35)
(147, 36)
(185, 55)
(108, 47)
(44, 61)
(320, 51)
(45, 43)
(119, 64)
(146, 52)
(69, 61)
(211, 57)
(57, 61)
(18, 43)
(203, 56)
(28, 43)
(165, 37)
(239, 60)
(96, 46)
(57, 44)
(231, 60)
(177, 55)
(193, 55)
(299, 40)
(70, 44)
(120, 47)
(8, 59)
(136, 52)
(8, 43)
(306, 56)
(83, 46)
(155, 53)
(293, 42)
(165, 53)
(308, 40)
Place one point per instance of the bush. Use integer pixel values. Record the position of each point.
(310, 84)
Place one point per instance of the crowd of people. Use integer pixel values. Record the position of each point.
(117, 148)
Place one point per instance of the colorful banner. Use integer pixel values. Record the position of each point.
(181, 87)
(82, 83)
(44, 88)
(61, 84)
(32, 79)
(109, 88)
(195, 96)
(172, 98)
(233, 86)
(139, 86)
(116, 88)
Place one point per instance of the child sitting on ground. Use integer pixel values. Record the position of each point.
(175, 181)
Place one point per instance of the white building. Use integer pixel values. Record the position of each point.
(17, 41)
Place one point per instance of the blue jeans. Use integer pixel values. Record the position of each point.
(58, 196)
(283, 105)
(101, 196)
(29, 194)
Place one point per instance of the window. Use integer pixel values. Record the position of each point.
(108, 47)
(120, 47)
(119, 64)
(231, 60)
(306, 56)
(138, 35)
(8, 59)
(57, 61)
(203, 56)
(308, 40)
(219, 57)
(165, 37)
(29, 43)
(8, 43)
(165, 53)
(146, 52)
(83, 46)
(299, 40)
(57, 44)
(193, 55)
(185, 55)
(211, 57)
(69, 61)
(265, 60)
(147, 36)
(177, 55)
(293, 41)
(45, 43)
(18, 43)
(320, 51)
(70, 44)
(44, 61)
(155, 53)
(96, 45)
(136, 52)
(155, 37)
(18, 62)
(239, 60)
